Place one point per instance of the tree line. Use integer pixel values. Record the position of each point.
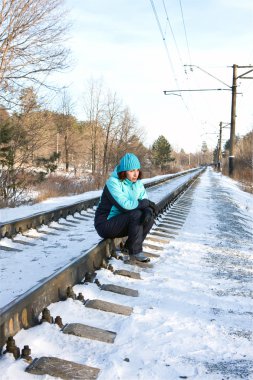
(243, 168)
(35, 141)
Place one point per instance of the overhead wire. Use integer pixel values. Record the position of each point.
(188, 48)
(189, 54)
(167, 51)
(178, 52)
(187, 45)
(173, 35)
(164, 41)
(185, 33)
(177, 48)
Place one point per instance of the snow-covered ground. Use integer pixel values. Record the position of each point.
(193, 316)
(8, 214)
(21, 270)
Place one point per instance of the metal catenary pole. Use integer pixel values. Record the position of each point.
(233, 112)
(232, 128)
(233, 106)
(219, 148)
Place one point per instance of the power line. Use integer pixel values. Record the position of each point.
(178, 52)
(164, 41)
(187, 44)
(174, 38)
(168, 55)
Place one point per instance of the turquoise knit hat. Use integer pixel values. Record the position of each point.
(128, 162)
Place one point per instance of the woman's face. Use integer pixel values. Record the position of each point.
(132, 175)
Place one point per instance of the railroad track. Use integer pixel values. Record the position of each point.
(21, 225)
(31, 308)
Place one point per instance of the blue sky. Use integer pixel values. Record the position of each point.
(120, 42)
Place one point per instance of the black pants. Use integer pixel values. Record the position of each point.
(127, 224)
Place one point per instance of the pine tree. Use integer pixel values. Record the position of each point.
(161, 152)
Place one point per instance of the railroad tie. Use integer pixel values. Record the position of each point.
(127, 273)
(11, 249)
(23, 242)
(169, 225)
(88, 216)
(140, 264)
(183, 210)
(149, 254)
(68, 224)
(33, 236)
(48, 232)
(166, 230)
(58, 228)
(120, 290)
(78, 217)
(81, 218)
(172, 221)
(162, 232)
(109, 307)
(152, 246)
(177, 215)
(157, 239)
(89, 332)
(63, 369)
(73, 222)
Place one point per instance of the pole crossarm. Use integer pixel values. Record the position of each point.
(206, 72)
(242, 76)
(226, 125)
(233, 111)
(234, 92)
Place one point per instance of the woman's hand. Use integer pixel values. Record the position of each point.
(147, 215)
(153, 206)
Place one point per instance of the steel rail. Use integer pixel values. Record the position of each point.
(24, 311)
(11, 228)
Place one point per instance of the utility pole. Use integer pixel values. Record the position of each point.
(219, 153)
(233, 107)
(233, 113)
(219, 148)
(232, 127)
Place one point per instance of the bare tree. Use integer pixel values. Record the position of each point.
(128, 132)
(31, 42)
(93, 107)
(111, 125)
(66, 125)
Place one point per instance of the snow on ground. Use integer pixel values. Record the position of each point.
(9, 214)
(21, 270)
(193, 317)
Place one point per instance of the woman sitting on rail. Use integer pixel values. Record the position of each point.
(124, 208)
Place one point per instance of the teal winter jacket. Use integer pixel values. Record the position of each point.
(120, 196)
